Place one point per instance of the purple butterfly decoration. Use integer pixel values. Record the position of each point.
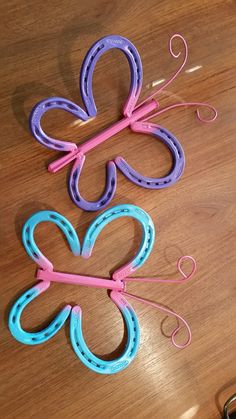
(134, 116)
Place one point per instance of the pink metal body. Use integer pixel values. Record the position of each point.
(109, 132)
(89, 281)
(120, 285)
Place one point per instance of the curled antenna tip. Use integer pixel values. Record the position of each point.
(211, 108)
(180, 262)
(176, 55)
(176, 331)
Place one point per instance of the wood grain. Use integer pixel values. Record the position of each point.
(42, 47)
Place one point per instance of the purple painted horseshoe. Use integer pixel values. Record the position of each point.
(177, 155)
(41, 108)
(93, 55)
(107, 195)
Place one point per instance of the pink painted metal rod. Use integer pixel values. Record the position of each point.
(118, 126)
(74, 279)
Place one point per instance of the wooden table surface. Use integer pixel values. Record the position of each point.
(42, 48)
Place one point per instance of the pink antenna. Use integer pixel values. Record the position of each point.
(179, 105)
(184, 278)
(170, 313)
(164, 85)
